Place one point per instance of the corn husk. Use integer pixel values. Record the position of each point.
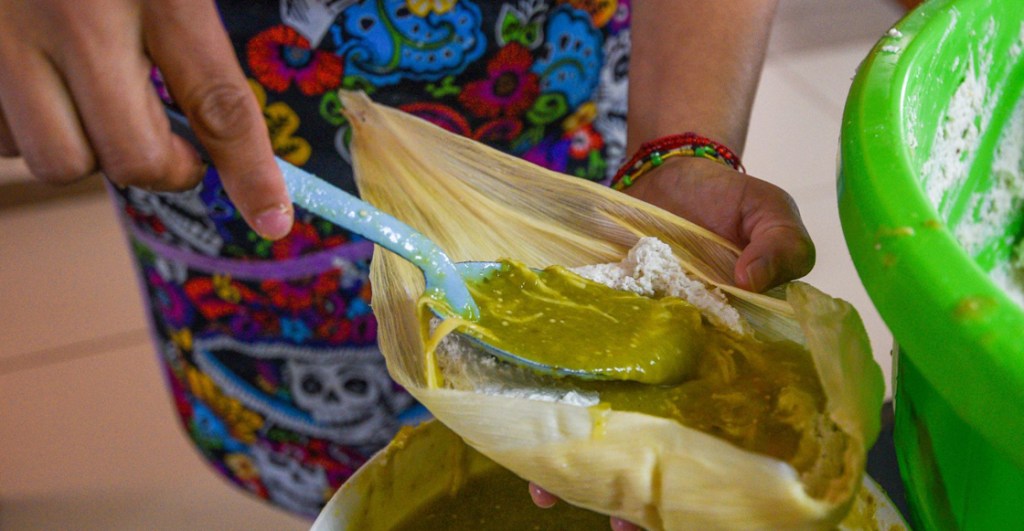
(480, 204)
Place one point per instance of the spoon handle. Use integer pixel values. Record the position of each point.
(349, 212)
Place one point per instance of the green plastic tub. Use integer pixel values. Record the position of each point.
(924, 124)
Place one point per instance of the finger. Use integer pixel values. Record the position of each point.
(779, 248)
(541, 497)
(189, 45)
(780, 255)
(621, 525)
(7, 146)
(122, 114)
(546, 500)
(41, 120)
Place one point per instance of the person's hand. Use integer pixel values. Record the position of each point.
(546, 500)
(75, 98)
(757, 216)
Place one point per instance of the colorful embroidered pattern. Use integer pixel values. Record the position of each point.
(509, 89)
(384, 41)
(279, 56)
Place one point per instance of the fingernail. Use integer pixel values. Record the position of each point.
(275, 222)
(759, 274)
(541, 497)
(619, 524)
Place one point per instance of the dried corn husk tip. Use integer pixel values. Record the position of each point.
(480, 204)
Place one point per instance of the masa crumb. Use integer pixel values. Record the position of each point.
(960, 133)
(650, 269)
(994, 209)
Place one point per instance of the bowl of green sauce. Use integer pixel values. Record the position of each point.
(429, 479)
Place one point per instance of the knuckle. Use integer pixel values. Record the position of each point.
(142, 166)
(221, 111)
(60, 169)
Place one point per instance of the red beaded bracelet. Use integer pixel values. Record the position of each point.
(653, 154)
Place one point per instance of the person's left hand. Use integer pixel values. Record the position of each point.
(757, 216)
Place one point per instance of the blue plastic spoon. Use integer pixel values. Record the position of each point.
(443, 277)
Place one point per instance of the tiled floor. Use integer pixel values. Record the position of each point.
(88, 439)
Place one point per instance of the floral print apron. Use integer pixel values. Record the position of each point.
(269, 348)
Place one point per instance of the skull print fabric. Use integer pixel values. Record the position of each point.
(269, 348)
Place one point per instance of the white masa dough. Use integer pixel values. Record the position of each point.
(953, 153)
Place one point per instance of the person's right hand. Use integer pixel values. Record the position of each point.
(75, 98)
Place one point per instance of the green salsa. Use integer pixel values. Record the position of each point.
(763, 397)
(660, 357)
(497, 499)
(561, 320)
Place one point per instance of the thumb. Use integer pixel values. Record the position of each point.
(777, 252)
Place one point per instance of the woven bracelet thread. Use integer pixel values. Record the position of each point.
(653, 154)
